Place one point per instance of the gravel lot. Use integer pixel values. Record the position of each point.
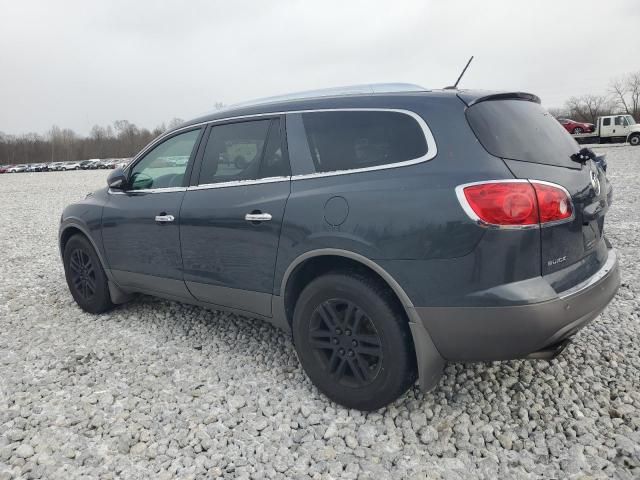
(157, 389)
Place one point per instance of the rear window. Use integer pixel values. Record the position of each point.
(522, 130)
(346, 140)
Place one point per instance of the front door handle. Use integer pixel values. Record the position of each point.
(164, 218)
(257, 217)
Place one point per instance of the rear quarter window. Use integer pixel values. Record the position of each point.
(522, 130)
(348, 140)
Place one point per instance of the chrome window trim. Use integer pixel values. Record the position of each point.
(148, 190)
(462, 199)
(432, 149)
(238, 183)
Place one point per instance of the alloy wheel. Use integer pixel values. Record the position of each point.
(346, 342)
(83, 274)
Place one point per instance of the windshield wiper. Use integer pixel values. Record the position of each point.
(583, 156)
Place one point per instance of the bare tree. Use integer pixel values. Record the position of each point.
(175, 122)
(558, 112)
(626, 93)
(587, 108)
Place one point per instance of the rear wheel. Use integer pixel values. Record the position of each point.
(85, 277)
(634, 139)
(577, 130)
(354, 341)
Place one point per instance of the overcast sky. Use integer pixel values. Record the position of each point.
(80, 63)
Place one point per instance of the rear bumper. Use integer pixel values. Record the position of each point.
(502, 333)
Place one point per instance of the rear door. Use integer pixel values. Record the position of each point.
(232, 215)
(535, 146)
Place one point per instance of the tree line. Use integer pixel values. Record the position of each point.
(120, 140)
(622, 97)
(124, 139)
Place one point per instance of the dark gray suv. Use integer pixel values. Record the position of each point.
(388, 228)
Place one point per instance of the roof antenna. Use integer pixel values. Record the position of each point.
(455, 85)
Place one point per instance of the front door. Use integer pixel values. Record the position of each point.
(607, 128)
(140, 224)
(620, 126)
(232, 215)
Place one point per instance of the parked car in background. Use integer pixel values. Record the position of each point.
(17, 169)
(54, 166)
(491, 250)
(613, 128)
(89, 164)
(5, 168)
(572, 126)
(35, 167)
(109, 163)
(70, 166)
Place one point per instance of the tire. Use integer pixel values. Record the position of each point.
(353, 340)
(634, 139)
(85, 276)
(577, 130)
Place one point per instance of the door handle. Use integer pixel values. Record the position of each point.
(257, 217)
(164, 218)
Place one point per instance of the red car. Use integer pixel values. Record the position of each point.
(4, 168)
(576, 127)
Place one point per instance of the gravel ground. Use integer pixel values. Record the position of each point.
(157, 389)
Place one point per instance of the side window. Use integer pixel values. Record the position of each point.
(233, 152)
(346, 140)
(606, 122)
(164, 166)
(243, 151)
(619, 120)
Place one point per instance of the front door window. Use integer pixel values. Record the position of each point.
(165, 165)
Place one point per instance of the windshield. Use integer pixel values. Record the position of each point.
(630, 120)
(522, 130)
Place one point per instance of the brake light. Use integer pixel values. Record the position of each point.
(515, 204)
(553, 203)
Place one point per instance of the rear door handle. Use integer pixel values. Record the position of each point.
(257, 217)
(164, 218)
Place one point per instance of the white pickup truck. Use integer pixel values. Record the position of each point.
(612, 128)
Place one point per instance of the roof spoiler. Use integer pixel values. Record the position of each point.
(529, 97)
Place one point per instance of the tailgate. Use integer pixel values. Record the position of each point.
(535, 146)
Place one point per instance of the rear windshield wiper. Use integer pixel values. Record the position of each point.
(583, 156)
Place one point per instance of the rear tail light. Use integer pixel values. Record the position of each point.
(515, 203)
(554, 203)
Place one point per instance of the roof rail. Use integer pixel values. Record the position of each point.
(335, 92)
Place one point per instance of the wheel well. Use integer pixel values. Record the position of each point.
(314, 267)
(67, 234)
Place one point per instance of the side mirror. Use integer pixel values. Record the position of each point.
(117, 179)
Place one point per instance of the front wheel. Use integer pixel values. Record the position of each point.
(85, 276)
(353, 340)
(634, 139)
(577, 130)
